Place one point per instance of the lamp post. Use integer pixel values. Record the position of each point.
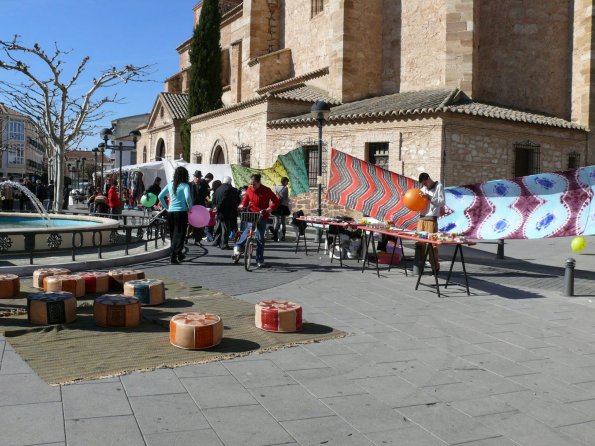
(95, 150)
(78, 183)
(105, 134)
(83, 170)
(320, 111)
(101, 148)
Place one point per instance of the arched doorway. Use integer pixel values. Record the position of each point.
(218, 156)
(144, 154)
(160, 153)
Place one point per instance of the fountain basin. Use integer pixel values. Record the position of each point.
(19, 230)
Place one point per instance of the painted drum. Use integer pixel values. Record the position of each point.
(120, 276)
(195, 331)
(40, 274)
(148, 291)
(279, 316)
(95, 281)
(10, 286)
(51, 308)
(72, 284)
(116, 310)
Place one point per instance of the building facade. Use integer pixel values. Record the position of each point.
(22, 153)
(467, 90)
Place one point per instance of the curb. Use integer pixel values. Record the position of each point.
(27, 270)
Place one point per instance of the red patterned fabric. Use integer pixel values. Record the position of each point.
(371, 190)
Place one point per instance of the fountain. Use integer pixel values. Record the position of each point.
(32, 198)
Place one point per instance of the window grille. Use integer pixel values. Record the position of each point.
(574, 160)
(317, 7)
(378, 154)
(526, 158)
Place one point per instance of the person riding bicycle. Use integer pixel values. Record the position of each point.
(258, 198)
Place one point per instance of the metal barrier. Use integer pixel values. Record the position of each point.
(125, 236)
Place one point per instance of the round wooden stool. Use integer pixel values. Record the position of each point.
(51, 308)
(148, 291)
(120, 276)
(95, 282)
(40, 274)
(280, 316)
(116, 310)
(10, 286)
(71, 284)
(195, 331)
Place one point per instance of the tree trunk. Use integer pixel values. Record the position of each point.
(59, 177)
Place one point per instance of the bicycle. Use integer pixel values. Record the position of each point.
(249, 248)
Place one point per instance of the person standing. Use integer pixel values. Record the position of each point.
(282, 211)
(113, 199)
(225, 202)
(258, 198)
(155, 188)
(200, 193)
(180, 202)
(428, 218)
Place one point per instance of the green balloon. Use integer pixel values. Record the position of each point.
(148, 200)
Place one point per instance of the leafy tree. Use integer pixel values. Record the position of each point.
(205, 87)
(61, 114)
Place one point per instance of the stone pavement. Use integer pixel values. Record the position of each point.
(512, 364)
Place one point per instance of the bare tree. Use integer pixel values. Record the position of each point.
(61, 116)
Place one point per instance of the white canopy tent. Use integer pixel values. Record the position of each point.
(150, 171)
(218, 170)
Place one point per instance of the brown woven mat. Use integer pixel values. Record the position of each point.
(81, 350)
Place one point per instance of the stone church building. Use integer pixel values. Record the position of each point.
(467, 90)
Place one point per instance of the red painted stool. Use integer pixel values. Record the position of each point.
(10, 286)
(95, 282)
(195, 331)
(280, 316)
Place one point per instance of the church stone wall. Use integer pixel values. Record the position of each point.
(524, 55)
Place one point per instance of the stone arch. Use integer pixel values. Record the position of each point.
(160, 150)
(219, 152)
(144, 154)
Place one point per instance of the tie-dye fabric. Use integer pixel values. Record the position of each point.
(291, 165)
(553, 204)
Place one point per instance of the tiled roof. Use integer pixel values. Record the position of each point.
(509, 114)
(306, 93)
(176, 103)
(425, 102)
(293, 81)
(6, 110)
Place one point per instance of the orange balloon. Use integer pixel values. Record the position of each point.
(414, 200)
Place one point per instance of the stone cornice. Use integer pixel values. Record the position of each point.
(288, 83)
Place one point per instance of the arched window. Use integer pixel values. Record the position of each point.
(160, 152)
(218, 156)
(144, 154)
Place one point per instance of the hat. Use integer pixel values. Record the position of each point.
(197, 173)
(226, 180)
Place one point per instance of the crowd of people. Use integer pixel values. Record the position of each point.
(226, 202)
(15, 199)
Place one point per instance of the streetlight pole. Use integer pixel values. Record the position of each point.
(78, 183)
(101, 148)
(105, 135)
(83, 170)
(320, 111)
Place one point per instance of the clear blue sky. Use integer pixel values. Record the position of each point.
(111, 32)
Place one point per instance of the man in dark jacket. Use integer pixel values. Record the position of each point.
(199, 190)
(225, 201)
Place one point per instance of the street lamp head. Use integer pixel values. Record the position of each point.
(106, 134)
(95, 149)
(101, 147)
(320, 111)
(135, 134)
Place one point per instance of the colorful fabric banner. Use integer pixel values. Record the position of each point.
(369, 189)
(291, 165)
(556, 204)
(544, 205)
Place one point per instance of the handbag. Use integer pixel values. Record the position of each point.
(282, 211)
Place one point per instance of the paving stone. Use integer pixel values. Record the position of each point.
(566, 372)
(501, 366)
(259, 373)
(202, 437)
(551, 413)
(380, 353)
(524, 429)
(295, 358)
(325, 383)
(167, 413)
(355, 366)
(26, 389)
(290, 402)
(95, 400)
(334, 347)
(31, 424)
(513, 352)
(199, 370)
(566, 356)
(396, 392)
(12, 364)
(584, 432)
(327, 430)
(218, 391)
(421, 375)
(500, 441)
(407, 436)
(521, 340)
(553, 388)
(103, 431)
(477, 375)
(366, 413)
(448, 423)
(157, 382)
(456, 346)
(476, 407)
(251, 426)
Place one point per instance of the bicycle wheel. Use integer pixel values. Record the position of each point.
(248, 253)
